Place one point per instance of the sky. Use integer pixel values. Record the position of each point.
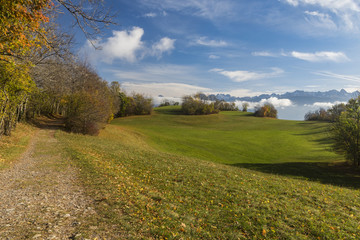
(238, 47)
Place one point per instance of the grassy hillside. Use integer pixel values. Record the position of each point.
(146, 187)
(233, 137)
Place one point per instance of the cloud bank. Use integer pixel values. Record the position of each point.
(323, 104)
(278, 103)
(175, 90)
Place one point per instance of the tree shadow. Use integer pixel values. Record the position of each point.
(49, 122)
(338, 174)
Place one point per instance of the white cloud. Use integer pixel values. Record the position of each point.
(338, 76)
(321, 20)
(243, 76)
(293, 2)
(278, 103)
(347, 11)
(263, 54)
(153, 14)
(127, 46)
(323, 104)
(123, 45)
(204, 41)
(351, 88)
(321, 56)
(166, 89)
(150, 15)
(214, 56)
(165, 45)
(238, 93)
(334, 5)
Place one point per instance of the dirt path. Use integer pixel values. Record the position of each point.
(40, 197)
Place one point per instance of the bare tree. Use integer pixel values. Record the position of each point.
(90, 16)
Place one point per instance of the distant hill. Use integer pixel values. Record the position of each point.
(297, 97)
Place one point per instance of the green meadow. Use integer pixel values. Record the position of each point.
(223, 176)
(233, 137)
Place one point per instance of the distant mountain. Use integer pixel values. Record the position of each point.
(297, 97)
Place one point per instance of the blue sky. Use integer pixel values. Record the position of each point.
(240, 47)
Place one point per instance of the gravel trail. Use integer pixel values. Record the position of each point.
(40, 197)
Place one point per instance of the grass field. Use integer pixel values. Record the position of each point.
(233, 137)
(225, 176)
(12, 147)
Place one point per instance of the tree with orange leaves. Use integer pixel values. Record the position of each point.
(22, 26)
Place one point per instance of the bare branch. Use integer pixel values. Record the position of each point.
(89, 16)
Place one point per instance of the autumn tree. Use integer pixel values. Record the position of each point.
(245, 106)
(21, 27)
(267, 110)
(197, 105)
(346, 132)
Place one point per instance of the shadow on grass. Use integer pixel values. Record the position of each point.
(337, 174)
(49, 122)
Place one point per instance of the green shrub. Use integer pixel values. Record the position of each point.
(137, 104)
(221, 105)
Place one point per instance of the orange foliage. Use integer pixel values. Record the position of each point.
(21, 25)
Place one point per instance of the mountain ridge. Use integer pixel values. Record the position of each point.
(297, 97)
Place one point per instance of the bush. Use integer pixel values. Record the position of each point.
(137, 104)
(87, 113)
(196, 106)
(245, 107)
(330, 115)
(165, 103)
(221, 105)
(318, 115)
(267, 110)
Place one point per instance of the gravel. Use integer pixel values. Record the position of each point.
(41, 198)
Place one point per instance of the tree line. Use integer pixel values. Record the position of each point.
(329, 115)
(198, 104)
(201, 104)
